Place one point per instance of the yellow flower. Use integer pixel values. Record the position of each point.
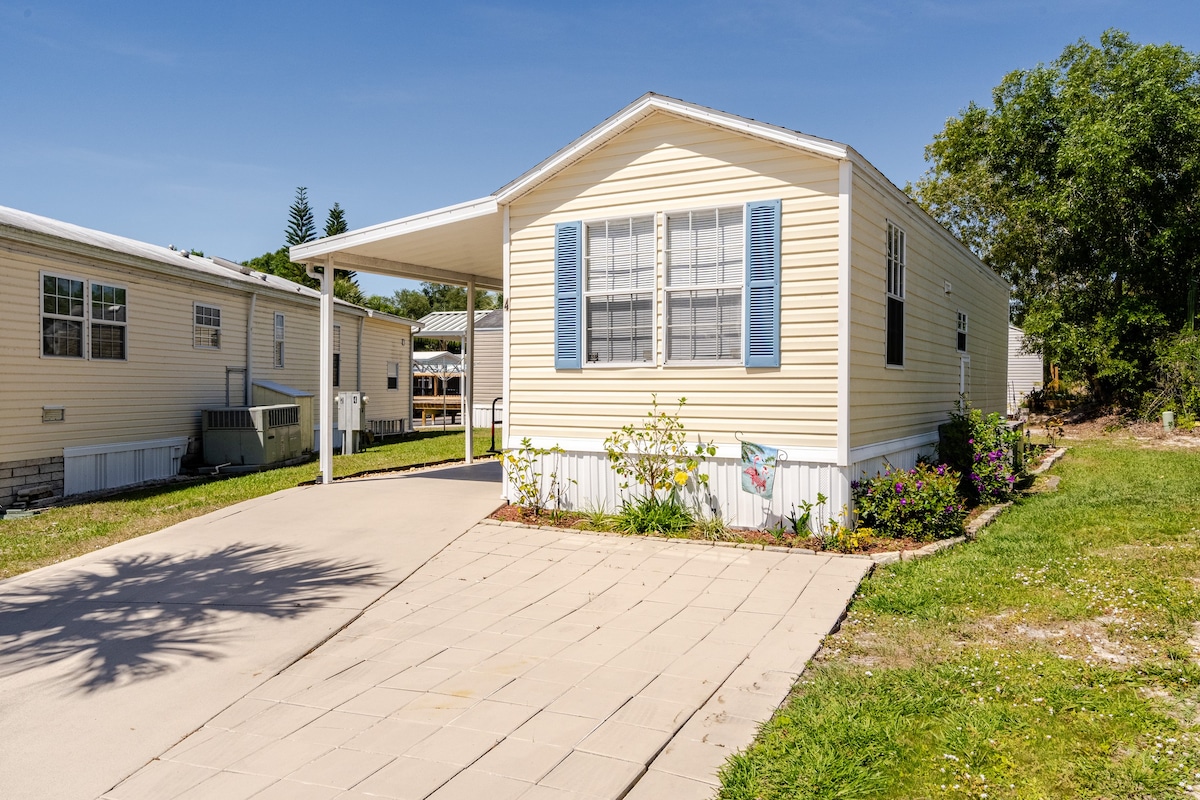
(681, 477)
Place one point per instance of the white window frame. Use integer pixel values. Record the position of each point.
(651, 292)
(960, 336)
(81, 320)
(121, 324)
(739, 287)
(278, 332)
(212, 331)
(393, 374)
(87, 320)
(896, 258)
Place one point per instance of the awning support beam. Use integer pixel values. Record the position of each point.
(403, 269)
(468, 389)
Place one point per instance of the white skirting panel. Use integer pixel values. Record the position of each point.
(902, 454)
(595, 485)
(481, 416)
(111, 466)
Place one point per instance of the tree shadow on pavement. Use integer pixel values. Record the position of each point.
(137, 617)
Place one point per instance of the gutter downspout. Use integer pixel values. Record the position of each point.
(358, 357)
(326, 375)
(250, 349)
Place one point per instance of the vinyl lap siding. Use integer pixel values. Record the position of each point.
(889, 403)
(383, 342)
(156, 393)
(489, 365)
(665, 164)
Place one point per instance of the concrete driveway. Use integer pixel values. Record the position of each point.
(108, 660)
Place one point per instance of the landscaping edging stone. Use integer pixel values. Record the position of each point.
(887, 557)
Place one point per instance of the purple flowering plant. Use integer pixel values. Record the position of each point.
(981, 447)
(921, 503)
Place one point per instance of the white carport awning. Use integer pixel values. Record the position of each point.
(456, 244)
(461, 244)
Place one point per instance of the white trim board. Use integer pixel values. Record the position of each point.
(795, 453)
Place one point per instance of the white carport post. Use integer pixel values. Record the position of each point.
(468, 390)
(326, 444)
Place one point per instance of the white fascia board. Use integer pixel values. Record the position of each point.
(643, 106)
(438, 217)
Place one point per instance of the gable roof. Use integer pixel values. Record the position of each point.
(643, 107)
(453, 324)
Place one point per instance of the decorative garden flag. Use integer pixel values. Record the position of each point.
(758, 468)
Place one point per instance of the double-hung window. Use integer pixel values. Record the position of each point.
(278, 340)
(109, 315)
(83, 319)
(618, 302)
(895, 295)
(63, 312)
(961, 343)
(393, 376)
(705, 271)
(206, 326)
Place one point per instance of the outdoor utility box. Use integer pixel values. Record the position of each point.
(251, 435)
(351, 411)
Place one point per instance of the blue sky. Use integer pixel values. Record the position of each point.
(192, 123)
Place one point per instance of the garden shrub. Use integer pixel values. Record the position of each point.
(535, 490)
(921, 503)
(1177, 381)
(984, 451)
(657, 458)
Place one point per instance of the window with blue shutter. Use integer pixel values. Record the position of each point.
(762, 283)
(568, 295)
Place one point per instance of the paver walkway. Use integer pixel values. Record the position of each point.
(533, 664)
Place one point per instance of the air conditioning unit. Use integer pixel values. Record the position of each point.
(251, 435)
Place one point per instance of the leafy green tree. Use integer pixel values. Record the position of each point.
(443, 297)
(1080, 184)
(300, 227)
(279, 263)
(335, 223)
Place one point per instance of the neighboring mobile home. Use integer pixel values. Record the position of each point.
(778, 281)
(488, 373)
(112, 348)
(1025, 370)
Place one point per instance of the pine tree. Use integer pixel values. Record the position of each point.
(300, 228)
(335, 223)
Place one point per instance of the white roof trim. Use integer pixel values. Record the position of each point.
(646, 105)
(447, 215)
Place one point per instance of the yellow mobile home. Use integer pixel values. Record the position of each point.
(112, 347)
(778, 281)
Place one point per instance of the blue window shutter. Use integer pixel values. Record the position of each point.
(568, 295)
(762, 283)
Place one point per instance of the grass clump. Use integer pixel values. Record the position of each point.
(1053, 657)
(72, 530)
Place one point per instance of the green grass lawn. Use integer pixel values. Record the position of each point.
(68, 531)
(1052, 658)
